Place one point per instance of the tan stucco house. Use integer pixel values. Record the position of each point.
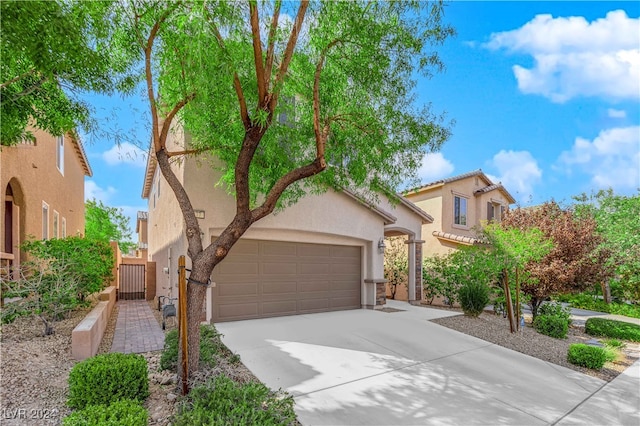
(42, 184)
(459, 205)
(324, 253)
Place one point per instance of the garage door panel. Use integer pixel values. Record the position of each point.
(271, 278)
(278, 288)
(282, 307)
(237, 289)
(271, 268)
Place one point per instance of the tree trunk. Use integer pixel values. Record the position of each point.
(195, 298)
(535, 304)
(606, 291)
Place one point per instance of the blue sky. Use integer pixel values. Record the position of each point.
(545, 98)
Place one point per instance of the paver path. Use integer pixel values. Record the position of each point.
(137, 329)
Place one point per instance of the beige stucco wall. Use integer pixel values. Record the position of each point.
(33, 173)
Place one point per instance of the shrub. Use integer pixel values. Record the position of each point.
(587, 356)
(614, 343)
(106, 378)
(585, 301)
(210, 347)
(549, 325)
(474, 297)
(222, 402)
(120, 413)
(612, 328)
(555, 310)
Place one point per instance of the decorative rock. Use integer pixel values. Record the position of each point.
(594, 342)
(172, 397)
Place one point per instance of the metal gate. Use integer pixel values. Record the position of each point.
(131, 282)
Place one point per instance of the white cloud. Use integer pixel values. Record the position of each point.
(616, 113)
(612, 159)
(574, 57)
(518, 171)
(434, 166)
(125, 153)
(92, 190)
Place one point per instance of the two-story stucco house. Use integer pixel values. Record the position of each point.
(459, 205)
(42, 191)
(323, 253)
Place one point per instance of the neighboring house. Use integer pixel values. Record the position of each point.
(42, 184)
(143, 239)
(323, 253)
(459, 205)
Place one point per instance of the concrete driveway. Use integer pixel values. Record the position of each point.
(364, 367)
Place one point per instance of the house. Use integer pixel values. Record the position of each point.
(323, 253)
(459, 205)
(42, 184)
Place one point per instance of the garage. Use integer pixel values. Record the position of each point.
(273, 278)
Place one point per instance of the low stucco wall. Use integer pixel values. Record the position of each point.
(87, 335)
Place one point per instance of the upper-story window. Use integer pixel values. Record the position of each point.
(60, 154)
(64, 228)
(495, 211)
(459, 210)
(56, 219)
(45, 221)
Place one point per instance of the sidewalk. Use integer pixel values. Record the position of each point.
(137, 329)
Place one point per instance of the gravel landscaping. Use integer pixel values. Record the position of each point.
(35, 369)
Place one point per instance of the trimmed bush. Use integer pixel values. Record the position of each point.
(474, 297)
(553, 326)
(104, 379)
(612, 328)
(555, 310)
(210, 347)
(223, 402)
(120, 413)
(583, 355)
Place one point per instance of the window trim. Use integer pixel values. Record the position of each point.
(64, 227)
(56, 224)
(45, 220)
(466, 211)
(60, 154)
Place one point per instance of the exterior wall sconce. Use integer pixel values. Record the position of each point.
(381, 245)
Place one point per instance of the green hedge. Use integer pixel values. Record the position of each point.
(583, 355)
(107, 378)
(120, 413)
(474, 297)
(612, 328)
(222, 402)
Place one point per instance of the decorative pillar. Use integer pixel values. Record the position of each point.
(415, 270)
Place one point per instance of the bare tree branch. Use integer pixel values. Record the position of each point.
(272, 43)
(257, 52)
(21, 76)
(169, 118)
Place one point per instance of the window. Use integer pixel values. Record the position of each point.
(60, 154)
(45, 221)
(459, 210)
(56, 218)
(64, 228)
(490, 212)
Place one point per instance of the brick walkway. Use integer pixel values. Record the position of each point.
(137, 329)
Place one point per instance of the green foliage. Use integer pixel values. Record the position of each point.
(614, 343)
(89, 261)
(583, 355)
(618, 221)
(550, 325)
(586, 301)
(46, 290)
(553, 320)
(222, 402)
(211, 347)
(396, 263)
(474, 297)
(107, 378)
(612, 328)
(103, 223)
(119, 413)
(48, 47)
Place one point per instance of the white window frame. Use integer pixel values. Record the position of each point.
(45, 221)
(60, 154)
(462, 214)
(56, 224)
(64, 228)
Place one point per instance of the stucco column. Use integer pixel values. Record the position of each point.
(415, 270)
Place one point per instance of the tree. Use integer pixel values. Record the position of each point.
(50, 50)
(103, 223)
(618, 222)
(577, 260)
(342, 73)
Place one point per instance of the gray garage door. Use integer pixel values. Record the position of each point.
(271, 278)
